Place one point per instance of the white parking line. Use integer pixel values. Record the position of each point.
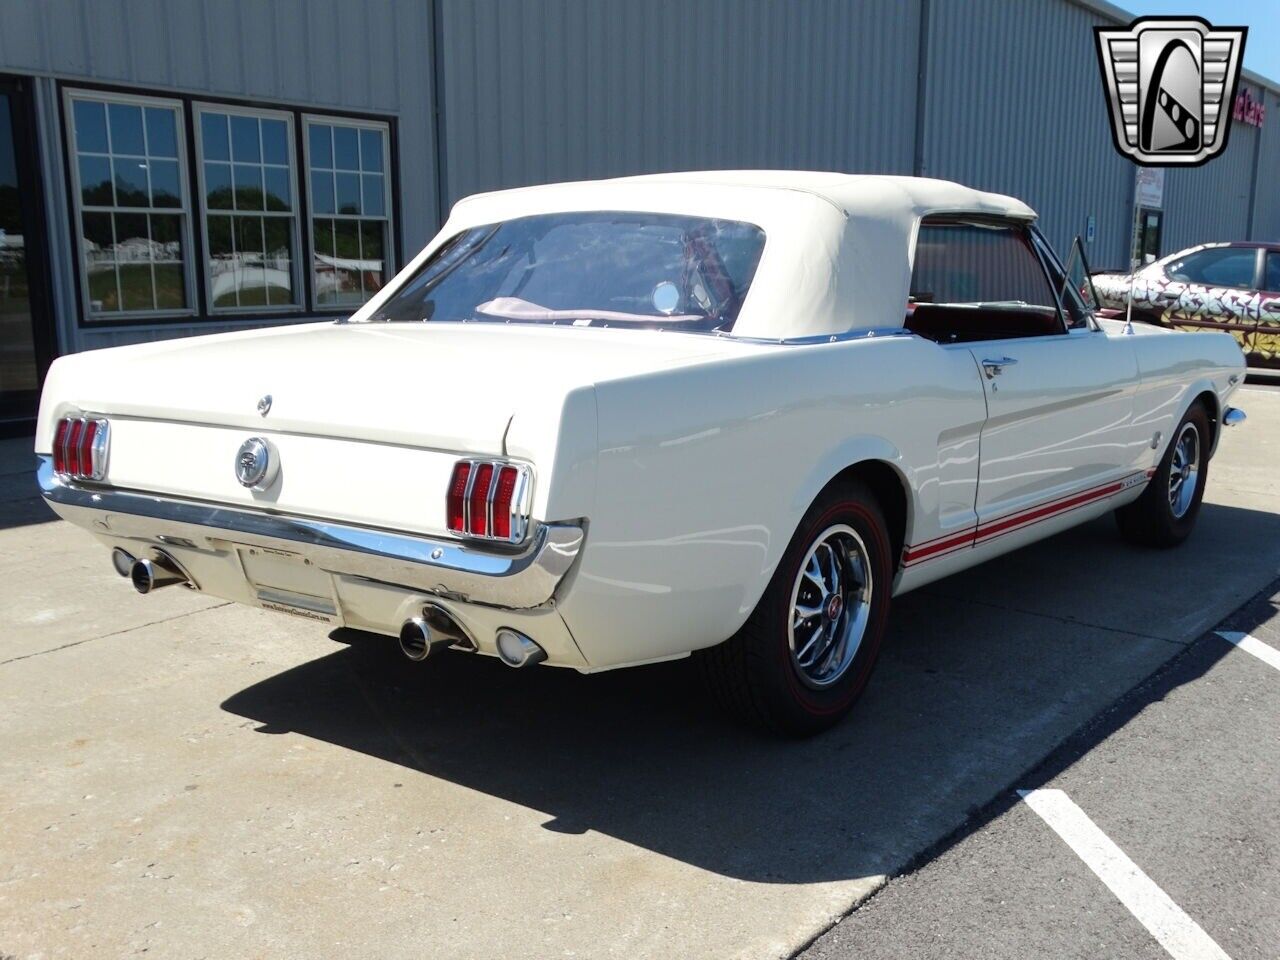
(1177, 933)
(1265, 653)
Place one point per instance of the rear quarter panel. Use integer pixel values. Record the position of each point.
(704, 473)
(1175, 369)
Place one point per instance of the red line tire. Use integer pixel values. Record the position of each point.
(754, 677)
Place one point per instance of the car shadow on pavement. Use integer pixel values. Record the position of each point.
(983, 676)
(20, 501)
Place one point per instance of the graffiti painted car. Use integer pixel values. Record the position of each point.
(1216, 286)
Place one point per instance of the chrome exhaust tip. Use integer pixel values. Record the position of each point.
(436, 629)
(122, 560)
(415, 639)
(517, 650)
(161, 571)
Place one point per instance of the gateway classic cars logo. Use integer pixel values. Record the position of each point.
(1170, 84)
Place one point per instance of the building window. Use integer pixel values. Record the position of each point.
(349, 190)
(249, 207)
(128, 176)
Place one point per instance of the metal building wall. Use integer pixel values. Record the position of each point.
(1266, 207)
(544, 90)
(1212, 202)
(372, 56)
(1013, 104)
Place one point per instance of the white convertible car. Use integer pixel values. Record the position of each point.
(608, 423)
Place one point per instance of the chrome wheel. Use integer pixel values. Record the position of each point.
(1184, 471)
(830, 606)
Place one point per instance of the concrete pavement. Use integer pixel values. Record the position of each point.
(200, 779)
(1183, 774)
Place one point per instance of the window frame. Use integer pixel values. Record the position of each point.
(1061, 283)
(1025, 231)
(197, 314)
(389, 255)
(71, 155)
(198, 107)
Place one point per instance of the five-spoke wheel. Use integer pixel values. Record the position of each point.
(830, 606)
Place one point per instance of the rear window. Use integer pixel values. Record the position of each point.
(616, 269)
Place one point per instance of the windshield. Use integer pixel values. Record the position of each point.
(638, 270)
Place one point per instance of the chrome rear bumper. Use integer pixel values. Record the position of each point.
(446, 568)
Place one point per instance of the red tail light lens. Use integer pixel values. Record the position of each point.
(73, 447)
(60, 446)
(488, 500)
(478, 502)
(80, 448)
(503, 493)
(455, 510)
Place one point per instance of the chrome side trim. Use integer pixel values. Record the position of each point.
(1233, 416)
(446, 568)
(863, 334)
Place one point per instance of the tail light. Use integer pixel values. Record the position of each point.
(489, 500)
(80, 447)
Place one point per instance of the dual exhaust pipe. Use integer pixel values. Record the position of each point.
(147, 575)
(437, 630)
(420, 637)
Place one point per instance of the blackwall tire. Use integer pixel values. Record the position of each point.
(788, 673)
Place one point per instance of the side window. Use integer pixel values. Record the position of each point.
(1216, 267)
(977, 280)
(1273, 271)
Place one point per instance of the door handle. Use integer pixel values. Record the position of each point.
(1270, 306)
(993, 368)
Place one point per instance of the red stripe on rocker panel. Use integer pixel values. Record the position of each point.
(933, 549)
(998, 527)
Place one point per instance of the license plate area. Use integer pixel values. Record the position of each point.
(289, 583)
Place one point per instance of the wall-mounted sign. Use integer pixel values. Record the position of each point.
(1149, 191)
(1248, 110)
(1091, 229)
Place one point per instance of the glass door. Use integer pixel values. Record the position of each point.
(26, 332)
(1146, 237)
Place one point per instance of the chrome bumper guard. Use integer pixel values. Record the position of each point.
(446, 568)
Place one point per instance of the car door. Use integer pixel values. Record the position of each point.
(1213, 288)
(1264, 347)
(1059, 391)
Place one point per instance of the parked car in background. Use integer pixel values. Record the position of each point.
(1234, 287)
(608, 423)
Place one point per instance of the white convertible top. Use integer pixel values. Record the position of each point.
(857, 193)
(838, 247)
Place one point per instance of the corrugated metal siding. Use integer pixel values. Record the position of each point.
(1212, 202)
(1266, 207)
(1014, 103)
(544, 90)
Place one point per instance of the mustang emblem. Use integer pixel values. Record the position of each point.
(255, 464)
(264, 405)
